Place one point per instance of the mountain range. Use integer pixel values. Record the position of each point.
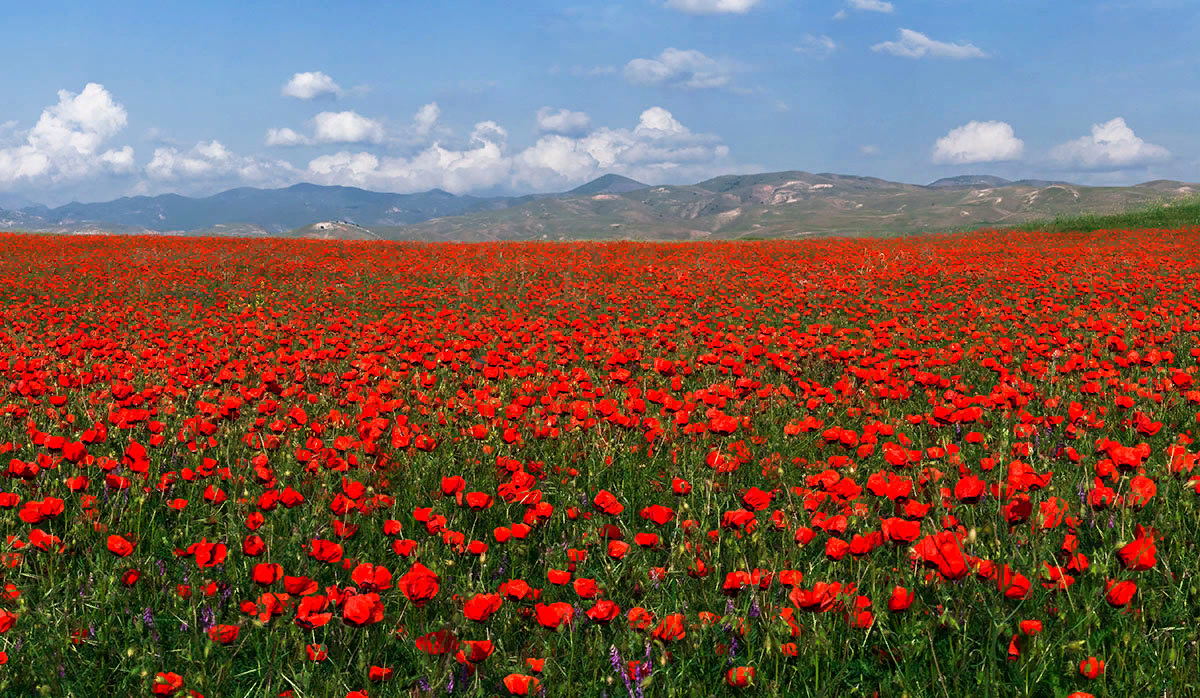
(776, 204)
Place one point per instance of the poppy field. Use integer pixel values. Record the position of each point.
(939, 466)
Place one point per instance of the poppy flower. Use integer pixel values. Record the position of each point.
(603, 611)
(370, 577)
(419, 585)
(1091, 667)
(521, 685)
(607, 502)
(119, 546)
(1139, 555)
(900, 600)
(515, 589)
(266, 574)
(167, 683)
(362, 609)
(474, 651)
(316, 652)
(670, 629)
(943, 551)
(438, 642)
(377, 673)
(1119, 593)
(224, 634)
(740, 677)
(554, 615)
(481, 607)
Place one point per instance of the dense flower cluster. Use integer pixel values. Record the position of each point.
(297, 468)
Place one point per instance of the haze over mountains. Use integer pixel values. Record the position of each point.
(777, 204)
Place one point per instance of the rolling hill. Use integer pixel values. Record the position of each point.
(773, 204)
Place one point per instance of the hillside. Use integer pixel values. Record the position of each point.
(773, 204)
(788, 204)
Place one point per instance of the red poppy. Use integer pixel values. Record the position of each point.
(362, 609)
(481, 606)
(554, 615)
(224, 634)
(438, 642)
(119, 546)
(740, 677)
(1091, 667)
(377, 673)
(167, 683)
(900, 600)
(419, 585)
(372, 577)
(520, 684)
(670, 629)
(1119, 593)
(607, 502)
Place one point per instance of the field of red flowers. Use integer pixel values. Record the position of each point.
(940, 466)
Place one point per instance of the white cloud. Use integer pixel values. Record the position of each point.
(978, 141)
(782, 106)
(285, 137)
(675, 67)
(916, 45)
(841, 14)
(211, 160)
(816, 45)
(1111, 145)
(659, 147)
(346, 127)
(311, 86)
(562, 121)
(712, 7)
(872, 6)
(67, 143)
(425, 119)
(869, 149)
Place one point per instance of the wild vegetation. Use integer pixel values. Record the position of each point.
(941, 466)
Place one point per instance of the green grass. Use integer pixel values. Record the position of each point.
(1181, 213)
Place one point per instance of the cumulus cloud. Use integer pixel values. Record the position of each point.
(978, 141)
(1112, 145)
(311, 86)
(352, 127)
(67, 142)
(678, 68)
(712, 7)
(872, 6)
(211, 160)
(562, 121)
(914, 44)
(816, 45)
(659, 147)
(286, 137)
(425, 119)
(346, 127)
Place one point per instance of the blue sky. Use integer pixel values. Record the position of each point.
(482, 97)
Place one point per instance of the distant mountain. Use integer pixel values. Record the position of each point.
(787, 205)
(608, 184)
(969, 181)
(276, 210)
(14, 202)
(771, 204)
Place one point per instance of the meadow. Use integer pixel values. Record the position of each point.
(939, 466)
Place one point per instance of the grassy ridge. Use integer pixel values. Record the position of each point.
(1182, 213)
